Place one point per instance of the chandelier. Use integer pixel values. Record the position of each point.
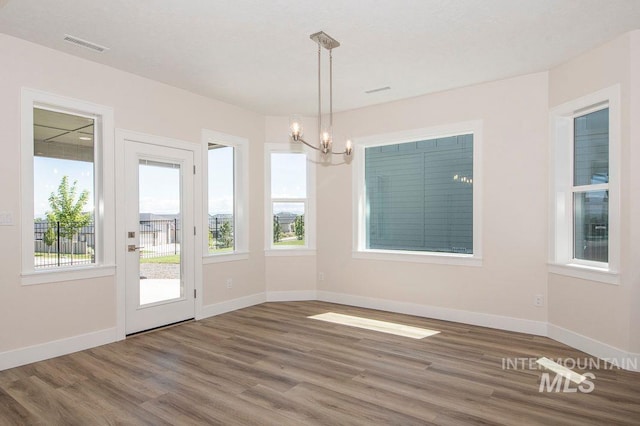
(325, 132)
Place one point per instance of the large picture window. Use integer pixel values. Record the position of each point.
(416, 193)
(420, 195)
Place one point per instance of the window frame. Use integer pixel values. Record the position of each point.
(360, 251)
(104, 192)
(310, 208)
(240, 195)
(562, 259)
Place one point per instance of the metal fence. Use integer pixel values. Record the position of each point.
(159, 238)
(63, 244)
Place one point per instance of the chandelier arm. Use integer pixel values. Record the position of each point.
(308, 144)
(345, 152)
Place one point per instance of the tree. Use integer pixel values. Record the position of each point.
(277, 229)
(67, 210)
(298, 226)
(225, 234)
(49, 236)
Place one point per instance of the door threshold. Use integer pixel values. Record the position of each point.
(161, 327)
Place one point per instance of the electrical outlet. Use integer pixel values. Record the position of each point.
(538, 300)
(320, 276)
(229, 282)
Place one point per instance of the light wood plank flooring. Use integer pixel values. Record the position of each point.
(269, 364)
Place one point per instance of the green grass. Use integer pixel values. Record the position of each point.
(295, 242)
(174, 258)
(213, 250)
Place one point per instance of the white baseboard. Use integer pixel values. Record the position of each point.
(291, 296)
(231, 305)
(29, 354)
(623, 359)
(538, 328)
(620, 358)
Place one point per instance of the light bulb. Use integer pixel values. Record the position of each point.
(295, 126)
(325, 141)
(348, 147)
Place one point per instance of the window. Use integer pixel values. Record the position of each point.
(417, 195)
(591, 186)
(586, 216)
(63, 189)
(290, 222)
(226, 194)
(69, 230)
(221, 204)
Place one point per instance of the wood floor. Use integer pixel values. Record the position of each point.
(270, 364)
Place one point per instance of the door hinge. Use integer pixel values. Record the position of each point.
(194, 230)
(194, 169)
(194, 293)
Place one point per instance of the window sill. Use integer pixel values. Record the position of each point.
(290, 252)
(226, 257)
(585, 272)
(419, 257)
(67, 274)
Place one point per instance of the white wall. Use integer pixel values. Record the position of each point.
(36, 314)
(633, 276)
(289, 277)
(514, 153)
(593, 309)
(515, 156)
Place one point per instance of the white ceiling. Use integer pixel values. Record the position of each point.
(257, 53)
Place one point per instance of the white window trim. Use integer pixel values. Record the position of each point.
(104, 184)
(359, 193)
(240, 195)
(309, 249)
(561, 189)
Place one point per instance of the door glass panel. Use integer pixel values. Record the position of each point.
(160, 232)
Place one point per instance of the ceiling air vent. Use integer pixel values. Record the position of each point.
(84, 43)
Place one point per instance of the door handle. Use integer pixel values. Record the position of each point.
(132, 247)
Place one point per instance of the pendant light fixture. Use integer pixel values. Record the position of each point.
(325, 130)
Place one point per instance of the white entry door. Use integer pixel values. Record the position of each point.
(160, 242)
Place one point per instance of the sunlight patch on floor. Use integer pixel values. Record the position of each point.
(561, 370)
(375, 325)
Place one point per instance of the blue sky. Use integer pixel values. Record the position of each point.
(159, 185)
(220, 180)
(159, 189)
(288, 180)
(48, 173)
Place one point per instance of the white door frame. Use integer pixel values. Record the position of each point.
(122, 136)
